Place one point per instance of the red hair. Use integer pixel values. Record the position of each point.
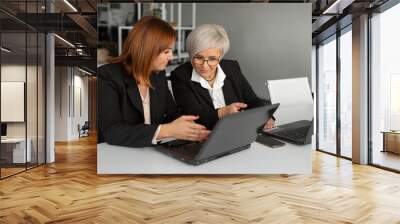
(149, 37)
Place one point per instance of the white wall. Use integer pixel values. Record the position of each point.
(13, 73)
(16, 73)
(80, 83)
(314, 90)
(62, 81)
(69, 85)
(270, 41)
(33, 126)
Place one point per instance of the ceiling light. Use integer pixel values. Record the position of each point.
(70, 5)
(329, 9)
(5, 49)
(338, 6)
(80, 51)
(65, 41)
(86, 72)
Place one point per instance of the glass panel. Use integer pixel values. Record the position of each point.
(31, 98)
(32, 84)
(313, 89)
(327, 96)
(13, 89)
(386, 89)
(346, 94)
(41, 98)
(22, 63)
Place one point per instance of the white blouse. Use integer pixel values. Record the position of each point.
(146, 113)
(216, 93)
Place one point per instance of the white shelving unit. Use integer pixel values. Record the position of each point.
(169, 16)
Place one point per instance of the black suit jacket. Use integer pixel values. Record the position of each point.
(120, 109)
(193, 99)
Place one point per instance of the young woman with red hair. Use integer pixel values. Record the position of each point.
(135, 107)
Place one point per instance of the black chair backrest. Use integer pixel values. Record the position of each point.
(86, 125)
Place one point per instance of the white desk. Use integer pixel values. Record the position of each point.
(258, 159)
(18, 150)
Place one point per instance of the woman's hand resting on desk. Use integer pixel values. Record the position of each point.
(184, 128)
(231, 109)
(269, 124)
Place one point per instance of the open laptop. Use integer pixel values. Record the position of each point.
(231, 134)
(295, 112)
(298, 132)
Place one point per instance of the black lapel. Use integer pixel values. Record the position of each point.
(198, 90)
(133, 92)
(202, 92)
(229, 91)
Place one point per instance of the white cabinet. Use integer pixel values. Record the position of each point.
(16, 148)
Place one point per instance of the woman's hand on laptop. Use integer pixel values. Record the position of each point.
(231, 109)
(184, 128)
(269, 124)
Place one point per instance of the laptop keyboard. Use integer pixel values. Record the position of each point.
(298, 133)
(189, 149)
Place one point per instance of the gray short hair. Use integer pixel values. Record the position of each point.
(207, 36)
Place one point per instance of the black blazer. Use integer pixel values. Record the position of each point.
(193, 99)
(120, 108)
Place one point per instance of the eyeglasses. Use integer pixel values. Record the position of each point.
(212, 61)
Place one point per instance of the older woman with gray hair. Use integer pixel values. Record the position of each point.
(208, 85)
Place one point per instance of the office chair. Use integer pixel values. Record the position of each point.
(84, 130)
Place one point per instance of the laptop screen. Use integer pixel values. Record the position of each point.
(296, 104)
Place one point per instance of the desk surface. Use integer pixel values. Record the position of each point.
(258, 159)
(13, 140)
(391, 132)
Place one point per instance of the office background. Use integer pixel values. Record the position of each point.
(331, 59)
(355, 67)
(47, 88)
(258, 41)
(357, 80)
(270, 41)
(22, 77)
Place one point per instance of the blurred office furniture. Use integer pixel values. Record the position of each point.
(391, 141)
(13, 151)
(115, 20)
(182, 30)
(84, 129)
